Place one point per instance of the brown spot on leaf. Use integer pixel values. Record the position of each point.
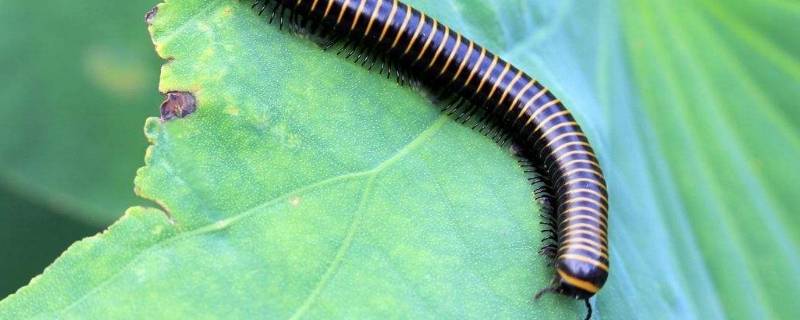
(178, 105)
(150, 16)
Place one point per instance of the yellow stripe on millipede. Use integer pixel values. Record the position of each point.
(571, 153)
(583, 247)
(520, 94)
(562, 136)
(578, 283)
(570, 256)
(403, 26)
(498, 81)
(372, 16)
(603, 240)
(328, 9)
(579, 170)
(430, 38)
(392, 13)
(488, 73)
(553, 128)
(539, 111)
(342, 11)
(583, 225)
(550, 117)
(441, 46)
(314, 5)
(543, 107)
(420, 24)
(585, 199)
(567, 179)
(510, 87)
(529, 104)
(596, 212)
(451, 55)
(572, 162)
(476, 67)
(598, 194)
(592, 181)
(577, 216)
(559, 138)
(359, 11)
(588, 242)
(465, 61)
(569, 144)
(582, 180)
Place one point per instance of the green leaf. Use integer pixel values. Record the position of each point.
(719, 88)
(303, 186)
(77, 78)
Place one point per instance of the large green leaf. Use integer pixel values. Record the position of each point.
(77, 78)
(305, 186)
(719, 86)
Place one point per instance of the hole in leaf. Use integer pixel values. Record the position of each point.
(178, 105)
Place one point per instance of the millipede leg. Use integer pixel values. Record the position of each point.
(548, 248)
(274, 12)
(550, 238)
(542, 190)
(588, 309)
(383, 64)
(344, 47)
(507, 140)
(356, 48)
(333, 40)
(536, 179)
(283, 12)
(292, 17)
(353, 48)
(484, 120)
(457, 105)
(551, 289)
(388, 65)
(464, 117)
(261, 5)
(371, 55)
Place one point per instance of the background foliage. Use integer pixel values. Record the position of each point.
(691, 104)
(77, 80)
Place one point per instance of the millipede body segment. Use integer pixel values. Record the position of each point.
(444, 61)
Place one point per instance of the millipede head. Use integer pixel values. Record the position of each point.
(578, 279)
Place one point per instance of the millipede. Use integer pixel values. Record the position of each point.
(419, 49)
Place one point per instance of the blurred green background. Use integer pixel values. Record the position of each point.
(696, 102)
(78, 79)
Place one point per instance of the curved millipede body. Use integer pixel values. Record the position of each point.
(444, 61)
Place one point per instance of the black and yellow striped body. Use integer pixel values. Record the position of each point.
(442, 59)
